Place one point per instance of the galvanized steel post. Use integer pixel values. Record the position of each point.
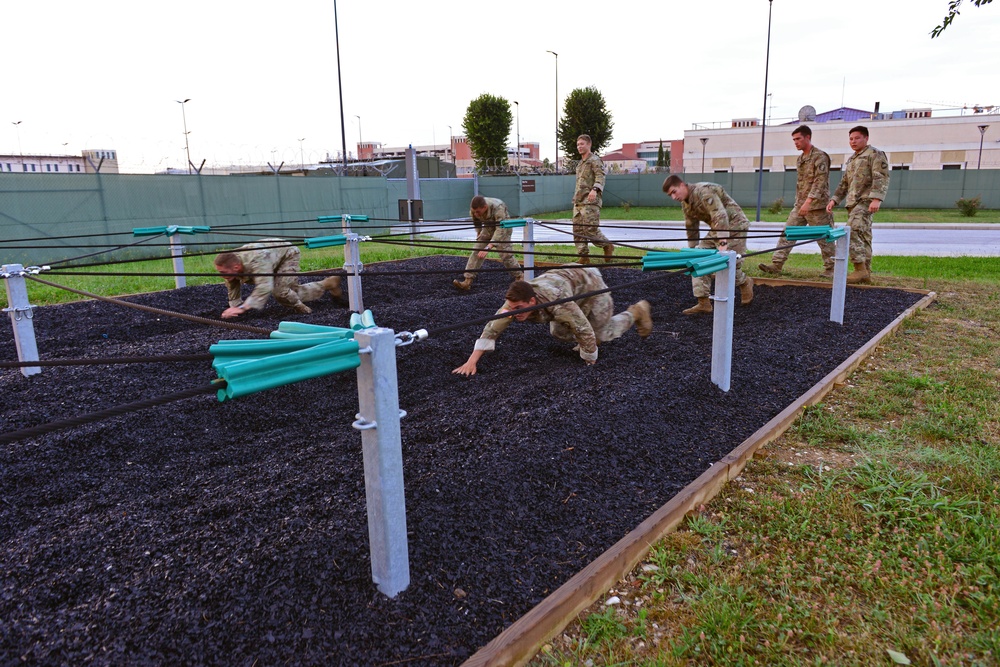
(177, 252)
(21, 317)
(722, 327)
(528, 244)
(378, 421)
(353, 266)
(841, 254)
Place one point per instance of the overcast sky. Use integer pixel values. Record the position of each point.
(263, 75)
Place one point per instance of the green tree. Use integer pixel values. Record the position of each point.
(953, 6)
(660, 161)
(585, 112)
(487, 125)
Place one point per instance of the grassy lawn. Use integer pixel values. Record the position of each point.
(914, 215)
(868, 534)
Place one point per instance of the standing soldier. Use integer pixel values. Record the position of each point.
(812, 190)
(587, 202)
(587, 321)
(260, 260)
(709, 203)
(865, 182)
(487, 213)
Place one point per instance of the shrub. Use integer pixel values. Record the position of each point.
(968, 207)
(776, 205)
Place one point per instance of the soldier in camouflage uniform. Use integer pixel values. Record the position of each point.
(587, 200)
(812, 190)
(487, 213)
(709, 203)
(587, 321)
(259, 259)
(865, 183)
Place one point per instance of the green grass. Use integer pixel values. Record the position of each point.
(870, 529)
(673, 213)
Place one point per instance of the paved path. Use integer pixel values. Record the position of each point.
(888, 238)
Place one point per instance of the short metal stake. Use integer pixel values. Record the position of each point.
(528, 244)
(722, 327)
(353, 266)
(841, 254)
(177, 252)
(21, 317)
(378, 421)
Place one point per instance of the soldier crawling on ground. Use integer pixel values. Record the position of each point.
(487, 213)
(260, 260)
(587, 321)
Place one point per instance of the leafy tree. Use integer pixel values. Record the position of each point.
(487, 125)
(953, 6)
(660, 160)
(585, 112)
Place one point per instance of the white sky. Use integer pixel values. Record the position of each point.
(262, 75)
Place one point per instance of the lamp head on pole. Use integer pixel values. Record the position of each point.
(704, 140)
(982, 128)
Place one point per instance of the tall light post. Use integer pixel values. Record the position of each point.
(302, 155)
(359, 135)
(187, 146)
(518, 131)
(763, 115)
(704, 140)
(982, 135)
(17, 128)
(340, 87)
(451, 144)
(557, 107)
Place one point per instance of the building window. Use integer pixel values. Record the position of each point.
(901, 167)
(24, 167)
(951, 166)
(48, 167)
(32, 167)
(57, 167)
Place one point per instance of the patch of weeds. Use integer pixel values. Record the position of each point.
(604, 627)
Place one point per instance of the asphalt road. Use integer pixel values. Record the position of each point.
(888, 238)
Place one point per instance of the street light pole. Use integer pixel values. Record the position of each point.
(763, 115)
(704, 140)
(17, 127)
(451, 144)
(518, 131)
(557, 108)
(340, 87)
(982, 135)
(302, 155)
(359, 136)
(187, 145)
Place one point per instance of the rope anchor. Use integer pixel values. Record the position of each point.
(25, 313)
(362, 424)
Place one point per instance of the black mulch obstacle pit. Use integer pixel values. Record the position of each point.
(235, 533)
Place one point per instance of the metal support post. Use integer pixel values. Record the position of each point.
(353, 266)
(841, 254)
(177, 252)
(722, 328)
(378, 421)
(21, 317)
(528, 244)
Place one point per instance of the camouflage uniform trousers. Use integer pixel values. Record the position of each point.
(287, 290)
(587, 230)
(501, 245)
(816, 218)
(606, 326)
(737, 241)
(859, 219)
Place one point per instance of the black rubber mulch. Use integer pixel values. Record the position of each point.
(235, 533)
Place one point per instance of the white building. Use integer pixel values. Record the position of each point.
(87, 163)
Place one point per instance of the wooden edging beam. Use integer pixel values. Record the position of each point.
(520, 642)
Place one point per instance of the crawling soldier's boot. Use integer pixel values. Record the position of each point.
(302, 308)
(773, 267)
(583, 259)
(642, 318)
(609, 251)
(704, 305)
(332, 285)
(464, 285)
(860, 274)
(746, 291)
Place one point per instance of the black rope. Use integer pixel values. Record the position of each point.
(101, 252)
(36, 431)
(157, 311)
(189, 254)
(99, 361)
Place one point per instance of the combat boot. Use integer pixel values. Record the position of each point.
(464, 285)
(642, 318)
(704, 305)
(583, 259)
(773, 268)
(302, 308)
(332, 285)
(860, 274)
(827, 272)
(609, 251)
(746, 291)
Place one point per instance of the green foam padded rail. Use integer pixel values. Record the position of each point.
(699, 261)
(323, 219)
(516, 222)
(806, 233)
(170, 230)
(326, 241)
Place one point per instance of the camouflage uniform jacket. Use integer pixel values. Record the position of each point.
(264, 256)
(550, 286)
(813, 181)
(866, 176)
(708, 202)
(589, 175)
(496, 212)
